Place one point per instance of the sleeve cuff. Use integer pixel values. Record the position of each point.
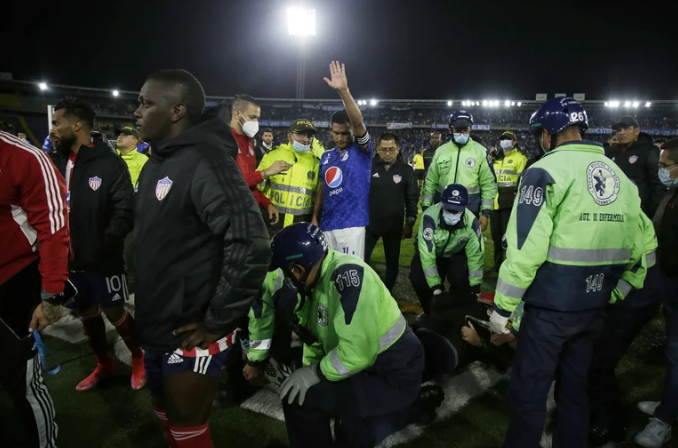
(501, 312)
(53, 287)
(319, 372)
(410, 220)
(259, 176)
(485, 212)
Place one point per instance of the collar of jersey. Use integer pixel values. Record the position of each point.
(579, 145)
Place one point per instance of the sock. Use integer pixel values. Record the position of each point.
(165, 424)
(95, 329)
(126, 330)
(192, 437)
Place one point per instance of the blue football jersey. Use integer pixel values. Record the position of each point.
(346, 177)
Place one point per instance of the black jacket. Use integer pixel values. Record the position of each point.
(394, 194)
(202, 245)
(101, 209)
(260, 150)
(428, 157)
(639, 162)
(666, 223)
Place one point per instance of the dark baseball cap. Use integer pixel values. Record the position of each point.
(625, 122)
(128, 131)
(454, 197)
(302, 125)
(508, 134)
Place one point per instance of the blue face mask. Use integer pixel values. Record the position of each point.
(300, 147)
(461, 139)
(451, 219)
(665, 178)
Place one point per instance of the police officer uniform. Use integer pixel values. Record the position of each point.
(572, 235)
(448, 251)
(507, 165)
(292, 192)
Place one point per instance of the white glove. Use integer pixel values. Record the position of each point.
(498, 323)
(437, 291)
(299, 383)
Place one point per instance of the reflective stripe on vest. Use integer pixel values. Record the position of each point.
(589, 255)
(385, 340)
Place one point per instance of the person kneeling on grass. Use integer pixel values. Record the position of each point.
(270, 332)
(362, 364)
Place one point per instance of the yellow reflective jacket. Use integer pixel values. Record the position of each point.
(135, 162)
(292, 192)
(507, 170)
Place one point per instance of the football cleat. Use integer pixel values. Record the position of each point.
(102, 370)
(138, 373)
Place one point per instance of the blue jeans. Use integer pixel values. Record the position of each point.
(668, 409)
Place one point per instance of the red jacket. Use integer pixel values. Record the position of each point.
(33, 220)
(247, 162)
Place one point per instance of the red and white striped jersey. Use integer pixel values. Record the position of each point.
(32, 213)
(214, 348)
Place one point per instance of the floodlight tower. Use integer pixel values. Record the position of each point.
(301, 23)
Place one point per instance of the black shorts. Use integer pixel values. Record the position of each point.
(420, 174)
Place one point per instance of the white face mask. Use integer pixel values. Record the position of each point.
(506, 145)
(461, 139)
(300, 147)
(250, 128)
(451, 219)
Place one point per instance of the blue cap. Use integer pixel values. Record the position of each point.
(558, 113)
(460, 119)
(301, 243)
(454, 197)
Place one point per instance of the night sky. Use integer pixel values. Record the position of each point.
(392, 49)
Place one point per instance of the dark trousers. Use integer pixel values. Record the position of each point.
(622, 325)
(392, 238)
(20, 374)
(498, 224)
(553, 344)
(367, 407)
(668, 409)
(453, 269)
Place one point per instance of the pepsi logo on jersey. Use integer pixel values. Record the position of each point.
(333, 178)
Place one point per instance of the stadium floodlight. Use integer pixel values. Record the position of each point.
(301, 21)
(449, 104)
(614, 104)
(507, 103)
(520, 103)
(648, 104)
(484, 103)
(115, 93)
(496, 103)
(373, 102)
(636, 104)
(464, 103)
(43, 86)
(627, 104)
(513, 103)
(607, 104)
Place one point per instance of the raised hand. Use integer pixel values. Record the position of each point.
(338, 76)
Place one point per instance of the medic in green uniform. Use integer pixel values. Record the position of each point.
(362, 364)
(449, 246)
(573, 232)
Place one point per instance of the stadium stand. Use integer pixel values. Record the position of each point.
(23, 108)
